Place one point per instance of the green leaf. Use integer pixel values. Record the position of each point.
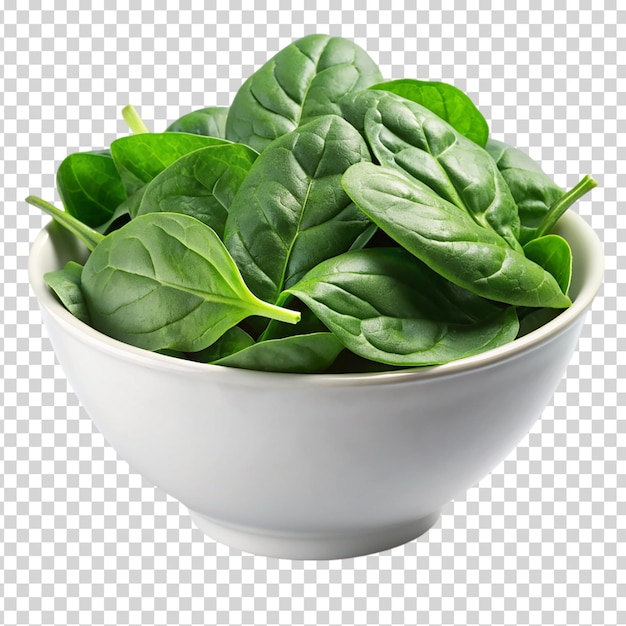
(202, 184)
(408, 137)
(448, 240)
(532, 319)
(210, 122)
(533, 190)
(291, 212)
(302, 354)
(66, 283)
(308, 321)
(166, 281)
(123, 213)
(553, 253)
(139, 158)
(302, 81)
(119, 217)
(233, 340)
(355, 105)
(90, 186)
(89, 236)
(446, 101)
(386, 306)
(349, 363)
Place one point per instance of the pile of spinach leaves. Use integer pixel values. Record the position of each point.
(326, 221)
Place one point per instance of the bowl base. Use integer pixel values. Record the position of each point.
(307, 546)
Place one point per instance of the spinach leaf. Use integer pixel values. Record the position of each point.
(66, 283)
(202, 184)
(210, 122)
(349, 363)
(140, 157)
(447, 101)
(302, 354)
(553, 253)
(119, 217)
(166, 281)
(385, 305)
(532, 319)
(304, 80)
(407, 136)
(123, 212)
(448, 240)
(355, 105)
(90, 186)
(308, 323)
(533, 190)
(233, 340)
(291, 212)
(89, 236)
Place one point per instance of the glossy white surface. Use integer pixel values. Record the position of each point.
(314, 466)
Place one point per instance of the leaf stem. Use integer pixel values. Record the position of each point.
(279, 313)
(90, 237)
(131, 117)
(563, 203)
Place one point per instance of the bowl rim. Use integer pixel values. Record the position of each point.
(585, 235)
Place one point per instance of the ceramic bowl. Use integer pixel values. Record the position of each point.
(314, 466)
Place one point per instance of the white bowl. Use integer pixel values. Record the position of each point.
(314, 466)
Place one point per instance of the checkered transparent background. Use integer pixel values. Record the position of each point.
(542, 540)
